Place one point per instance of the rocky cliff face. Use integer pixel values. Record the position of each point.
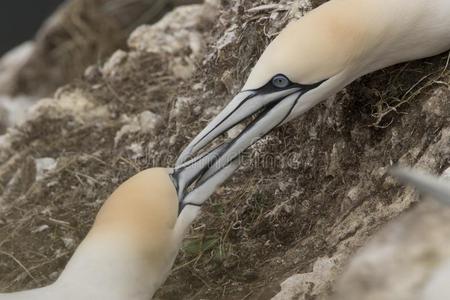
(306, 199)
(79, 33)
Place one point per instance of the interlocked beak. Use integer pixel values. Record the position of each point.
(270, 105)
(186, 177)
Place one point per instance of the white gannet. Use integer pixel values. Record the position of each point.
(130, 249)
(317, 56)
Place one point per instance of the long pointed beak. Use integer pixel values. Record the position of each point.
(244, 105)
(186, 178)
(435, 187)
(185, 175)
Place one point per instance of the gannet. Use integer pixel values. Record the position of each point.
(130, 249)
(318, 55)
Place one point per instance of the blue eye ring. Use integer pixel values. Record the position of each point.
(280, 81)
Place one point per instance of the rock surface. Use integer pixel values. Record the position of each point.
(401, 261)
(79, 33)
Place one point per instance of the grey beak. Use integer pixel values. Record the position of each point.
(437, 188)
(271, 104)
(185, 175)
(269, 118)
(273, 107)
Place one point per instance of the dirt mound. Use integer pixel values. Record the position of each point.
(306, 198)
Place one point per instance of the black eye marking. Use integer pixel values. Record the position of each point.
(280, 81)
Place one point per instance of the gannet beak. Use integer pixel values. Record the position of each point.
(437, 188)
(185, 177)
(271, 106)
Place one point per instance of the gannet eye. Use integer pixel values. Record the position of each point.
(280, 81)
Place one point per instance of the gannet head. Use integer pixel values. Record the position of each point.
(297, 70)
(132, 245)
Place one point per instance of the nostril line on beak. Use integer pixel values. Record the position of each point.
(232, 135)
(245, 106)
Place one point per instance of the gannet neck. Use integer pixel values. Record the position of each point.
(405, 30)
(131, 247)
(354, 37)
